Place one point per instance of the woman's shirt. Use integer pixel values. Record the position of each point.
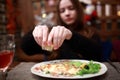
(71, 49)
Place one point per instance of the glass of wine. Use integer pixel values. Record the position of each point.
(7, 49)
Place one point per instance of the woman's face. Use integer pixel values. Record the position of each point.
(68, 13)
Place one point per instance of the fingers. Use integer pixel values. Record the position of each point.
(37, 34)
(57, 36)
(45, 34)
(61, 37)
(53, 37)
(40, 33)
(50, 37)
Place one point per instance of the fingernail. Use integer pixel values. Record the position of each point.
(55, 47)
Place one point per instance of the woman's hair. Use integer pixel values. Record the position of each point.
(78, 25)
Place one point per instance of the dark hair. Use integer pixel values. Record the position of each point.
(78, 25)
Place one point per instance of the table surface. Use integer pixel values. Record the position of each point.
(22, 72)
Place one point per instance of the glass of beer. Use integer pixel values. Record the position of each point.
(7, 49)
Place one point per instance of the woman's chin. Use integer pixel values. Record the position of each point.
(69, 23)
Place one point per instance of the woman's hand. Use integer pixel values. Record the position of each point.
(57, 36)
(54, 38)
(40, 34)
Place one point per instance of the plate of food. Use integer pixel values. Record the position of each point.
(69, 69)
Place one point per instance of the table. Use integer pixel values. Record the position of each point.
(22, 72)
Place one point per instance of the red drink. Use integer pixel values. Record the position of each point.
(5, 58)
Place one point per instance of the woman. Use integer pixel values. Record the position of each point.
(65, 38)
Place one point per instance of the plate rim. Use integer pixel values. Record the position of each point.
(101, 72)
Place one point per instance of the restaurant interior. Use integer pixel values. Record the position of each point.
(18, 17)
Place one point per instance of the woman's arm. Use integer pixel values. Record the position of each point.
(22, 56)
(29, 50)
(29, 45)
(87, 47)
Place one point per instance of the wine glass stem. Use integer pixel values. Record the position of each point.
(3, 75)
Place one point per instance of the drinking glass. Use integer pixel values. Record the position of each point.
(7, 49)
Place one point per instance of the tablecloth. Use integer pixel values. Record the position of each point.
(22, 72)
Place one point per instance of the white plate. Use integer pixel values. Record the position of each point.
(42, 74)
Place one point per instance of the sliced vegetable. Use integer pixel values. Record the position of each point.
(90, 68)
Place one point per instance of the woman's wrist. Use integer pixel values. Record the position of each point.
(69, 35)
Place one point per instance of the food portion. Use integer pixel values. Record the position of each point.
(69, 68)
(48, 48)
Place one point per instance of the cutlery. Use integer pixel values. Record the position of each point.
(115, 67)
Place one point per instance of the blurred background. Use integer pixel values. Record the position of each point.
(20, 16)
